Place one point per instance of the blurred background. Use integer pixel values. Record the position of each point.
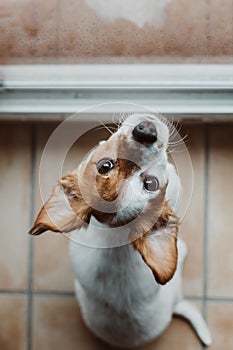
(101, 31)
(60, 57)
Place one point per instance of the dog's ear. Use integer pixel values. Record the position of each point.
(65, 209)
(158, 247)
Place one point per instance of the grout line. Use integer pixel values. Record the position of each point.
(54, 293)
(211, 299)
(30, 260)
(206, 217)
(200, 298)
(220, 300)
(9, 291)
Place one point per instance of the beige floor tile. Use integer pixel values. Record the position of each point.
(52, 269)
(193, 224)
(179, 335)
(94, 132)
(58, 325)
(220, 238)
(13, 314)
(221, 324)
(15, 206)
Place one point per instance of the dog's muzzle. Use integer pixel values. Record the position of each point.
(145, 133)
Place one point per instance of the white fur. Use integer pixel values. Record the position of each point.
(119, 298)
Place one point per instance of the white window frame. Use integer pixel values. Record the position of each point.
(52, 92)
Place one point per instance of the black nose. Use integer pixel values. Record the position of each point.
(145, 132)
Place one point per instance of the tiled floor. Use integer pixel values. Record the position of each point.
(37, 306)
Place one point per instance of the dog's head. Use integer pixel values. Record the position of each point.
(122, 181)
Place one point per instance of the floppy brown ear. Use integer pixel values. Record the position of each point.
(158, 247)
(65, 209)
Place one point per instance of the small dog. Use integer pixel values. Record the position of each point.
(125, 196)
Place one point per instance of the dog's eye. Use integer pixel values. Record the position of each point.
(105, 165)
(151, 183)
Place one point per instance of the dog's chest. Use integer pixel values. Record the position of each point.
(117, 276)
(118, 295)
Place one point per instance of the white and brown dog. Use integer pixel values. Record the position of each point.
(125, 191)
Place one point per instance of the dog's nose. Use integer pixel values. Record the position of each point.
(145, 132)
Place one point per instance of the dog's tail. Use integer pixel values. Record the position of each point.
(190, 313)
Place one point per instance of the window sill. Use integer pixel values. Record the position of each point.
(52, 92)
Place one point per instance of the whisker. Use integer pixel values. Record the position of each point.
(115, 117)
(178, 142)
(106, 127)
(116, 125)
(97, 128)
(175, 128)
(172, 125)
(123, 116)
(172, 151)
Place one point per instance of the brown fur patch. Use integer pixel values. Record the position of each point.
(65, 209)
(109, 186)
(102, 190)
(74, 197)
(157, 242)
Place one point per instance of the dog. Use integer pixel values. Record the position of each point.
(125, 195)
